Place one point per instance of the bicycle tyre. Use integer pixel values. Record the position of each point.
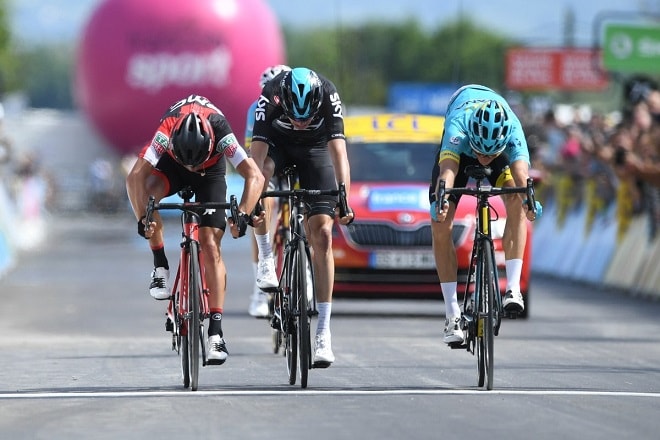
(481, 317)
(194, 321)
(182, 341)
(490, 320)
(304, 343)
(289, 322)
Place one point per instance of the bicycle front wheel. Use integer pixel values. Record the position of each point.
(194, 321)
(485, 323)
(288, 318)
(300, 294)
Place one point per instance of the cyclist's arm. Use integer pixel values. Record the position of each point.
(337, 148)
(136, 184)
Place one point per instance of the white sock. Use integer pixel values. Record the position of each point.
(513, 273)
(324, 309)
(451, 298)
(263, 243)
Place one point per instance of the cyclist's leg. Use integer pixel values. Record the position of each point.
(444, 253)
(316, 171)
(212, 187)
(266, 275)
(162, 181)
(515, 234)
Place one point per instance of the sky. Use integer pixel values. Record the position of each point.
(532, 22)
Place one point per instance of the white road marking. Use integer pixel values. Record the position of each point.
(311, 392)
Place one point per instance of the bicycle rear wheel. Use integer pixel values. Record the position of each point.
(194, 319)
(300, 294)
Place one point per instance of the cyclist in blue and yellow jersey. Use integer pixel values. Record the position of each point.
(480, 128)
(191, 146)
(259, 299)
(299, 121)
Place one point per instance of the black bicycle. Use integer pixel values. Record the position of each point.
(188, 306)
(482, 303)
(292, 306)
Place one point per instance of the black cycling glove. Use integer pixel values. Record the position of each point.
(141, 227)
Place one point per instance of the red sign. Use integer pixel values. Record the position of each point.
(559, 69)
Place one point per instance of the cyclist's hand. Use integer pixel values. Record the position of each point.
(348, 218)
(238, 230)
(145, 231)
(439, 215)
(530, 214)
(257, 220)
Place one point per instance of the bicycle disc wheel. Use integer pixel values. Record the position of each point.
(182, 342)
(194, 322)
(300, 293)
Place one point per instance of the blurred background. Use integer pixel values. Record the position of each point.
(83, 84)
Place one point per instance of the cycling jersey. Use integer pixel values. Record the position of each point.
(226, 144)
(270, 121)
(306, 148)
(461, 105)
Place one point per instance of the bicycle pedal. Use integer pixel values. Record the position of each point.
(169, 325)
(457, 345)
(270, 289)
(511, 315)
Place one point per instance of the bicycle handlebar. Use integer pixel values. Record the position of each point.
(195, 208)
(480, 173)
(302, 193)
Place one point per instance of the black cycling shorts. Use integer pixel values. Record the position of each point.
(209, 187)
(315, 171)
(499, 165)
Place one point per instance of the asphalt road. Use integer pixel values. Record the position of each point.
(85, 356)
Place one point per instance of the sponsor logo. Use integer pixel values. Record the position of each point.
(336, 105)
(155, 71)
(227, 145)
(209, 211)
(160, 142)
(455, 140)
(260, 110)
(195, 99)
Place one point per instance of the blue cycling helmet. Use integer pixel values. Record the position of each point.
(489, 128)
(301, 93)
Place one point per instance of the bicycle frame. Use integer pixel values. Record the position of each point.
(292, 311)
(482, 305)
(188, 306)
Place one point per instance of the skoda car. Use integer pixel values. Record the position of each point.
(386, 252)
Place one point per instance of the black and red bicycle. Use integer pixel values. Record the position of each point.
(188, 307)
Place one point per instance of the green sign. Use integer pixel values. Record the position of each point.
(630, 48)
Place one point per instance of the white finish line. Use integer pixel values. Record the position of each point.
(308, 392)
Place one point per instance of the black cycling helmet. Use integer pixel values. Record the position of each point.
(301, 93)
(191, 143)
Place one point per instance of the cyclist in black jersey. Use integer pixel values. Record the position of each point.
(299, 121)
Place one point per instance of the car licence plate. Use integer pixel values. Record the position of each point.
(402, 260)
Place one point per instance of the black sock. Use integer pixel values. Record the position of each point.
(215, 324)
(160, 260)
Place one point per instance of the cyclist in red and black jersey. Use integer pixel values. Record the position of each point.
(190, 148)
(299, 121)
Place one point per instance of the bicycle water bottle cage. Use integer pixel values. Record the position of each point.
(186, 193)
(478, 172)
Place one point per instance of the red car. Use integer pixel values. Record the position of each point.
(386, 252)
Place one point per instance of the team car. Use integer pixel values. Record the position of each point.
(387, 252)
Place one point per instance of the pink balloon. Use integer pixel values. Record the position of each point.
(136, 58)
